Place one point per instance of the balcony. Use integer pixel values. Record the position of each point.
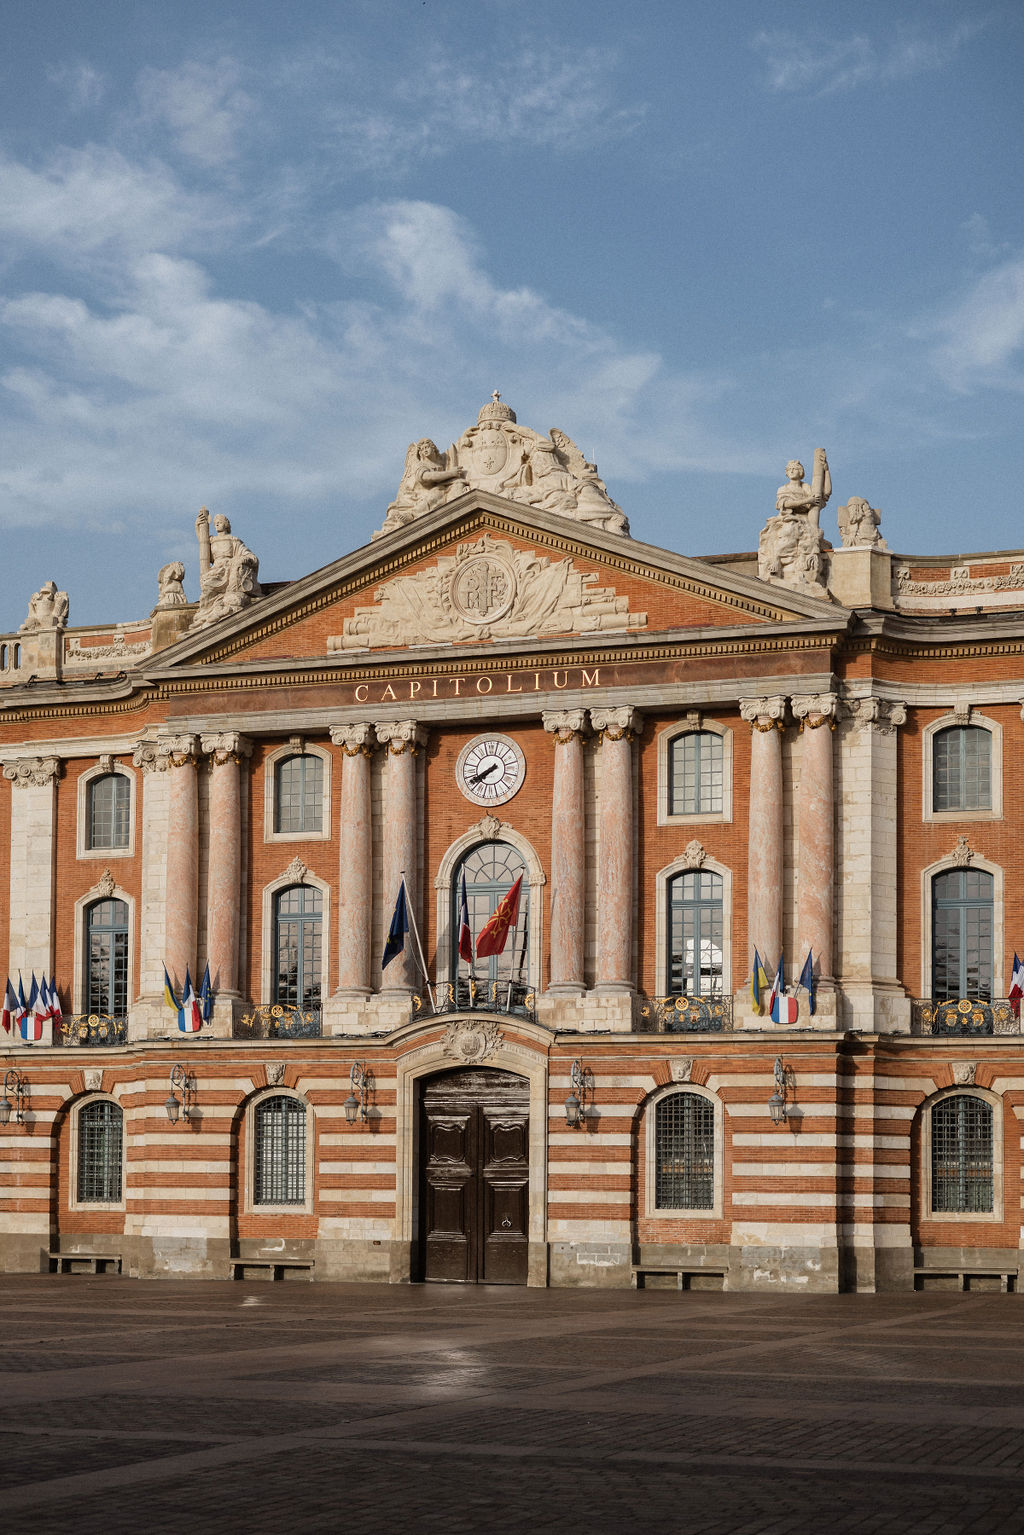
(477, 997)
(684, 1015)
(81, 1030)
(276, 1020)
(962, 1016)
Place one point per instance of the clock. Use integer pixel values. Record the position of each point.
(490, 770)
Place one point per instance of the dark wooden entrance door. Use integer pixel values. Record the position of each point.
(474, 1177)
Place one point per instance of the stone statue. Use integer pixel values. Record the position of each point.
(47, 609)
(791, 547)
(427, 480)
(547, 471)
(228, 571)
(859, 524)
(169, 579)
(796, 498)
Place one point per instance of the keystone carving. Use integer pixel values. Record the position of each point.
(105, 886)
(489, 827)
(275, 1073)
(296, 871)
(32, 772)
(682, 1069)
(694, 855)
(471, 1041)
(964, 1073)
(961, 712)
(963, 853)
(92, 1078)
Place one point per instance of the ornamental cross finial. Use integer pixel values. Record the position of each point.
(495, 396)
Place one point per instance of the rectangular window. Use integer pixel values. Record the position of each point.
(279, 1164)
(299, 794)
(695, 774)
(99, 1153)
(110, 799)
(962, 1161)
(962, 769)
(684, 1153)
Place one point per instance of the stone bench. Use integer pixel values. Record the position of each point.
(1007, 1277)
(84, 1263)
(270, 1268)
(683, 1273)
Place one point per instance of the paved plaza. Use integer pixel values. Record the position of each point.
(153, 1406)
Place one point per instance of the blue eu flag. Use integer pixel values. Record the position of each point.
(398, 929)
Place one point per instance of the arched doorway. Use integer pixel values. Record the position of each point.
(474, 1177)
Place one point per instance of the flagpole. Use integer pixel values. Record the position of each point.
(419, 946)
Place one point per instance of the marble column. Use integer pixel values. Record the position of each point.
(617, 729)
(401, 740)
(355, 859)
(764, 832)
(182, 878)
(224, 876)
(815, 867)
(33, 865)
(568, 851)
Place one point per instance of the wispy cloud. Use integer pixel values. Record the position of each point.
(979, 340)
(83, 85)
(202, 105)
(819, 66)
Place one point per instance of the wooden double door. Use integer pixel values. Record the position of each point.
(474, 1177)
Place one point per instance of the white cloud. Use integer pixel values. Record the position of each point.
(819, 66)
(203, 105)
(981, 336)
(83, 84)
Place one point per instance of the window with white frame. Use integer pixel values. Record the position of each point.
(279, 1151)
(108, 812)
(491, 869)
(298, 946)
(684, 1152)
(99, 1152)
(694, 932)
(962, 768)
(299, 794)
(106, 958)
(695, 774)
(963, 911)
(962, 1156)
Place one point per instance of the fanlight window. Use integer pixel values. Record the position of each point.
(684, 1152)
(962, 769)
(299, 794)
(109, 800)
(100, 1142)
(106, 958)
(962, 923)
(491, 870)
(279, 1154)
(962, 1156)
(298, 946)
(694, 928)
(695, 774)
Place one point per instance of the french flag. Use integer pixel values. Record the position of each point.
(31, 1022)
(782, 1009)
(10, 1007)
(465, 936)
(190, 1018)
(1016, 986)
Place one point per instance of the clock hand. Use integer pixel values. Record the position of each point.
(479, 777)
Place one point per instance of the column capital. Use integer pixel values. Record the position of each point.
(32, 772)
(354, 740)
(565, 724)
(882, 715)
(815, 710)
(180, 750)
(227, 746)
(764, 713)
(398, 736)
(617, 724)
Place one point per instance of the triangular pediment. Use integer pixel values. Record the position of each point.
(483, 570)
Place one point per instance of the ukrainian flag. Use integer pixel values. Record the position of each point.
(169, 996)
(758, 981)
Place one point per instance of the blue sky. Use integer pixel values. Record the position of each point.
(248, 253)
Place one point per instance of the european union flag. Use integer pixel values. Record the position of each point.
(398, 929)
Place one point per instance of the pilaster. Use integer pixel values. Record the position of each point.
(33, 865)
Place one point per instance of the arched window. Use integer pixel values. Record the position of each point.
(684, 1153)
(299, 793)
(962, 1156)
(109, 801)
(694, 934)
(100, 1141)
(695, 774)
(298, 946)
(491, 869)
(962, 919)
(279, 1152)
(106, 958)
(962, 769)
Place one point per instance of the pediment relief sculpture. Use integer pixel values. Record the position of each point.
(487, 588)
(500, 456)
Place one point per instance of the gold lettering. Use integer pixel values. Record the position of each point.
(434, 694)
(458, 681)
(361, 692)
(388, 692)
(565, 679)
(536, 682)
(414, 688)
(588, 680)
(480, 684)
(510, 688)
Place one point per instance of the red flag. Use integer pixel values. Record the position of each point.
(465, 935)
(494, 936)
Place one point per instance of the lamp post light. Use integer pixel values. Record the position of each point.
(14, 1084)
(576, 1103)
(182, 1081)
(777, 1101)
(355, 1103)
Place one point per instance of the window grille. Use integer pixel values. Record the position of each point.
(299, 794)
(110, 801)
(962, 923)
(962, 769)
(962, 1159)
(491, 870)
(694, 928)
(279, 1162)
(100, 1139)
(695, 774)
(298, 946)
(106, 949)
(684, 1153)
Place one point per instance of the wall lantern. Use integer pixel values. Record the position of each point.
(14, 1084)
(355, 1103)
(576, 1103)
(777, 1101)
(183, 1082)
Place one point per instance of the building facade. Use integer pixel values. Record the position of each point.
(803, 750)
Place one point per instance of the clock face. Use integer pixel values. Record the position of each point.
(490, 770)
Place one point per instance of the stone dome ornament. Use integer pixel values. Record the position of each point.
(497, 455)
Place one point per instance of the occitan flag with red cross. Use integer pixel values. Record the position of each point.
(494, 936)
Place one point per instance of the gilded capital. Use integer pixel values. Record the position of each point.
(354, 740)
(32, 772)
(565, 724)
(179, 749)
(228, 746)
(616, 724)
(398, 736)
(764, 713)
(815, 710)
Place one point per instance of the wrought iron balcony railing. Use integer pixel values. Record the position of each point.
(80, 1029)
(276, 1020)
(684, 1015)
(465, 996)
(962, 1016)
